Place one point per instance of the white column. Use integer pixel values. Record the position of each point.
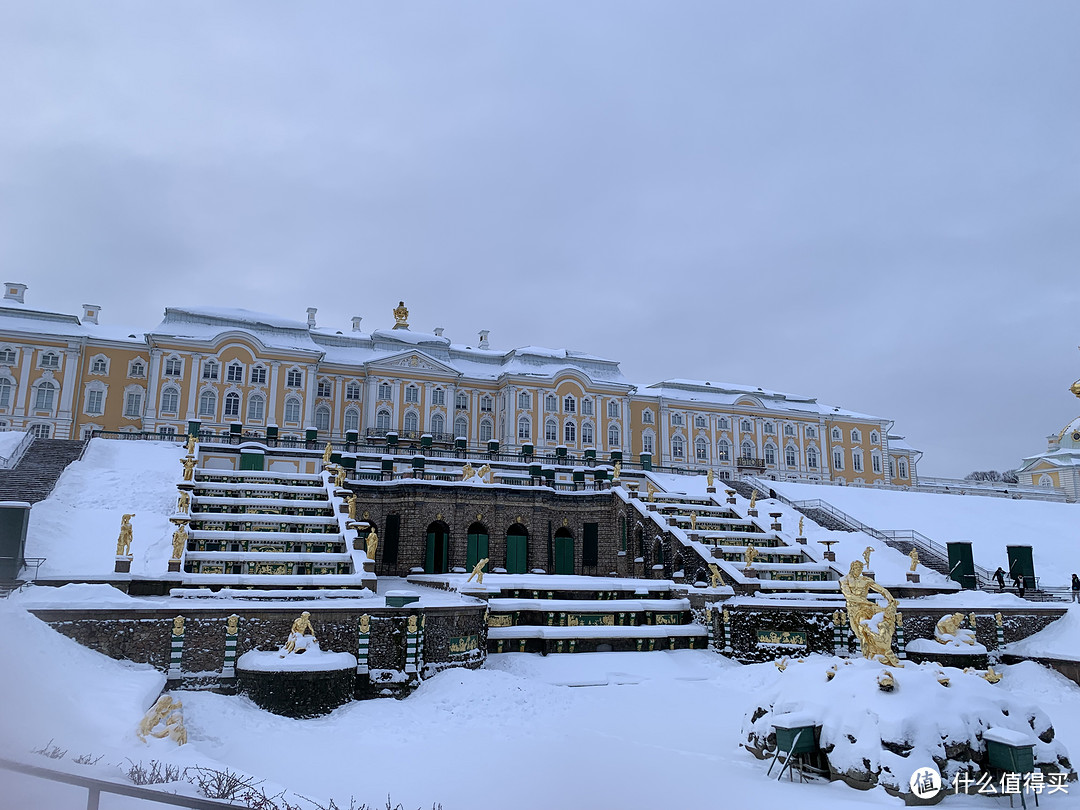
(339, 397)
(23, 394)
(309, 397)
(154, 374)
(71, 364)
(368, 415)
(272, 417)
(193, 386)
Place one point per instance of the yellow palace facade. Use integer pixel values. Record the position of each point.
(65, 376)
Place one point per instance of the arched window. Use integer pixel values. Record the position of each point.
(438, 424)
(324, 389)
(5, 392)
(701, 450)
(487, 404)
(746, 427)
(613, 409)
(99, 366)
(569, 404)
(836, 434)
(647, 443)
(7, 356)
(461, 427)
(646, 417)
(770, 454)
(352, 390)
(1045, 480)
(699, 422)
(352, 419)
(524, 400)
(384, 393)
(586, 407)
(438, 396)
(676, 419)
(322, 419)
(232, 405)
(587, 437)
(811, 432)
(873, 437)
(678, 447)
(208, 403)
(485, 430)
(789, 430)
(174, 367)
(170, 400)
(292, 409)
(50, 360)
(524, 428)
(747, 450)
(551, 431)
(551, 404)
(614, 437)
(722, 423)
(46, 396)
(769, 428)
(382, 420)
(811, 458)
(256, 408)
(856, 436)
(258, 375)
(210, 370)
(789, 456)
(723, 450)
(569, 432)
(412, 422)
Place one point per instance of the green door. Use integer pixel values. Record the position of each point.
(437, 553)
(517, 553)
(476, 548)
(564, 555)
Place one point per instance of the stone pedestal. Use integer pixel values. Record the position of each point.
(830, 556)
(123, 565)
(752, 512)
(672, 520)
(692, 536)
(913, 577)
(801, 541)
(750, 573)
(174, 566)
(711, 490)
(650, 507)
(298, 694)
(731, 499)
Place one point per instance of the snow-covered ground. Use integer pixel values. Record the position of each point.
(605, 730)
(9, 441)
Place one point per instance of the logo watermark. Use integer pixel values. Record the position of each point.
(926, 783)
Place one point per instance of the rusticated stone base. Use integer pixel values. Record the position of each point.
(298, 694)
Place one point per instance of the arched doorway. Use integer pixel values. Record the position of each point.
(476, 545)
(517, 549)
(564, 551)
(437, 555)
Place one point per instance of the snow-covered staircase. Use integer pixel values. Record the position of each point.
(256, 529)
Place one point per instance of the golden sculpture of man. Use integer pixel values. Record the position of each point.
(372, 544)
(716, 579)
(478, 572)
(183, 502)
(693, 521)
(866, 556)
(872, 625)
(351, 501)
(300, 628)
(179, 540)
(949, 626)
(327, 452)
(709, 477)
(801, 526)
(123, 542)
(617, 471)
(162, 707)
(914, 554)
(189, 468)
(651, 490)
(753, 499)
(750, 555)
(467, 471)
(191, 444)
(485, 473)
(339, 477)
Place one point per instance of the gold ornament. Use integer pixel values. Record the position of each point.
(178, 626)
(231, 625)
(123, 542)
(401, 316)
(478, 572)
(876, 644)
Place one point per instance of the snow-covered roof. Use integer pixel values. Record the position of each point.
(33, 322)
(728, 394)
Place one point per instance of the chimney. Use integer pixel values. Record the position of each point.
(484, 338)
(90, 313)
(439, 330)
(14, 292)
(311, 317)
(356, 323)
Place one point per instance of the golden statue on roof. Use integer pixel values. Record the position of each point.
(401, 316)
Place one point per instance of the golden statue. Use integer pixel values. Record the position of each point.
(950, 626)
(123, 542)
(725, 616)
(351, 501)
(899, 619)
(478, 572)
(189, 468)
(178, 626)
(183, 502)
(753, 499)
(372, 544)
(231, 625)
(801, 519)
(885, 681)
(412, 624)
(617, 471)
(300, 628)
(339, 477)
(158, 712)
(716, 579)
(709, 477)
(991, 676)
(174, 728)
(872, 625)
(179, 540)
(781, 663)
(365, 623)
(651, 490)
(972, 620)
(1075, 388)
(750, 555)
(997, 618)
(866, 556)
(485, 473)
(467, 471)
(329, 451)
(191, 439)
(693, 521)
(914, 554)
(401, 315)
(836, 618)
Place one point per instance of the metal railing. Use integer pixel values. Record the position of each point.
(747, 462)
(16, 454)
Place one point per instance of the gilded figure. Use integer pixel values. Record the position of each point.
(179, 540)
(651, 490)
(872, 624)
(485, 473)
(467, 471)
(231, 625)
(339, 477)
(478, 572)
(617, 471)
(750, 555)
(158, 712)
(401, 315)
(866, 556)
(183, 503)
(709, 474)
(372, 544)
(351, 501)
(693, 521)
(914, 554)
(189, 468)
(327, 452)
(191, 439)
(801, 519)
(716, 579)
(301, 627)
(948, 629)
(365, 624)
(178, 626)
(123, 542)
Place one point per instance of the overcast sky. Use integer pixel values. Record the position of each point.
(876, 204)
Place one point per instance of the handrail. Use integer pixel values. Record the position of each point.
(98, 786)
(17, 454)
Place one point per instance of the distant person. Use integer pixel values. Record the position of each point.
(999, 575)
(1075, 588)
(1018, 582)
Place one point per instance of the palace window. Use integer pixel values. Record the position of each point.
(324, 389)
(524, 400)
(647, 443)
(747, 450)
(770, 454)
(836, 434)
(569, 432)
(438, 424)
(352, 419)
(723, 451)
(292, 409)
(7, 356)
(438, 396)
(587, 437)
(873, 437)
(232, 405)
(746, 427)
(524, 428)
(208, 403)
(95, 401)
(210, 370)
(838, 460)
(412, 423)
(891, 472)
(234, 373)
(676, 419)
(903, 468)
(384, 392)
(137, 369)
(613, 436)
(613, 409)
(170, 400)
(294, 378)
(699, 422)
(40, 431)
(258, 375)
(875, 463)
(722, 423)
(811, 432)
(586, 407)
(551, 403)
(701, 450)
(256, 408)
(486, 404)
(678, 447)
(789, 430)
(569, 405)
(352, 390)
(551, 431)
(382, 420)
(50, 360)
(811, 458)
(485, 430)
(174, 367)
(322, 419)
(856, 462)
(45, 397)
(99, 366)
(646, 417)
(412, 393)
(769, 428)
(856, 436)
(461, 427)
(789, 456)
(461, 401)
